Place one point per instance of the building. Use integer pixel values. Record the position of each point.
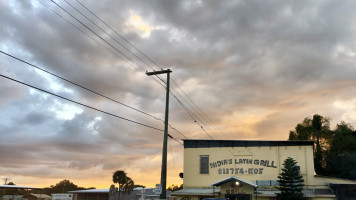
(104, 194)
(62, 196)
(4, 189)
(12, 197)
(26, 197)
(37, 196)
(248, 170)
(91, 194)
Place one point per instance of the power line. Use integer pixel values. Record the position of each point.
(96, 109)
(119, 35)
(137, 65)
(204, 115)
(106, 32)
(85, 88)
(86, 34)
(130, 51)
(174, 163)
(159, 77)
(121, 38)
(128, 58)
(191, 115)
(196, 118)
(45, 91)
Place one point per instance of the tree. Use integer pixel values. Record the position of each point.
(334, 150)
(290, 181)
(175, 187)
(61, 187)
(317, 129)
(65, 186)
(126, 184)
(341, 158)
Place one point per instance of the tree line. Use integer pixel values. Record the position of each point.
(119, 177)
(334, 149)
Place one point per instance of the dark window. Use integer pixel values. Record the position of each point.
(204, 164)
(267, 182)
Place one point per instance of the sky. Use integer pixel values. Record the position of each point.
(241, 70)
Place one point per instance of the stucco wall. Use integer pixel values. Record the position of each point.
(261, 163)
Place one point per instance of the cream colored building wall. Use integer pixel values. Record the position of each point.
(229, 161)
(245, 189)
(188, 197)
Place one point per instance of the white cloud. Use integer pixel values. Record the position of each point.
(136, 24)
(65, 111)
(347, 108)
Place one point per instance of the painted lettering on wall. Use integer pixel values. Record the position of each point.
(240, 167)
(240, 170)
(265, 163)
(237, 191)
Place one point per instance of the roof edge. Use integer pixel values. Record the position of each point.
(243, 143)
(232, 178)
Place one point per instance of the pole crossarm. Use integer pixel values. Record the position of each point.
(158, 72)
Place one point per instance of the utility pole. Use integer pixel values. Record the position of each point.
(5, 180)
(164, 152)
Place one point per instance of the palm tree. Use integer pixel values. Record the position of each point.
(126, 184)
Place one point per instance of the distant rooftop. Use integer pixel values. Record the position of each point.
(18, 187)
(90, 191)
(101, 190)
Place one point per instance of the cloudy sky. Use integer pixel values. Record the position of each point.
(254, 69)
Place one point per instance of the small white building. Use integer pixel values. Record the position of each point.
(62, 196)
(12, 197)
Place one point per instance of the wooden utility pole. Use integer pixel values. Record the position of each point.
(164, 151)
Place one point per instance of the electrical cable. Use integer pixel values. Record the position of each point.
(132, 52)
(137, 65)
(85, 88)
(45, 91)
(112, 47)
(174, 163)
(86, 34)
(128, 58)
(191, 115)
(105, 32)
(119, 34)
(203, 114)
(84, 105)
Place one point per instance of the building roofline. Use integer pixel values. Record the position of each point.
(90, 191)
(18, 187)
(243, 143)
(196, 192)
(232, 179)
